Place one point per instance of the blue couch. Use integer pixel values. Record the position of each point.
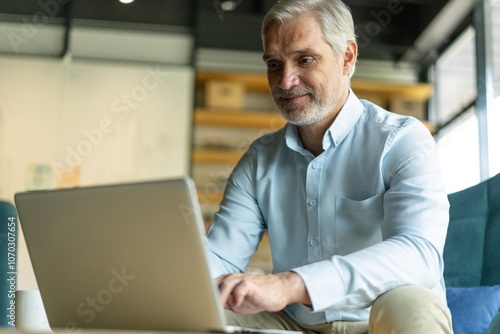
(472, 258)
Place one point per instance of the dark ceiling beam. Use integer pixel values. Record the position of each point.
(382, 51)
(195, 23)
(236, 31)
(67, 30)
(380, 36)
(397, 48)
(266, 5)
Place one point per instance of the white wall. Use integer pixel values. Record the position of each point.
(115, 122)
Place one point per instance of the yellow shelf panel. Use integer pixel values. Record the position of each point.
(260, 120)
(258, 82)
(213, 156)
(384, 90)
(253, 81)
(247, 119)
(432, 128)
(417, 91)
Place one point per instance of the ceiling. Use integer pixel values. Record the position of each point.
(386, 29)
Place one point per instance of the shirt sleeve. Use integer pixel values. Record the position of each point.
(239, 221)
(414, 227)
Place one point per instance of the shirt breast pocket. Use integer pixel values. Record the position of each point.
(358, 223)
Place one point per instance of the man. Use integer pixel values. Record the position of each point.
(351, 197)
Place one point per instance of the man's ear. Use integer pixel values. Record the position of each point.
(350, 56)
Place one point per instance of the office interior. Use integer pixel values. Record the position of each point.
(100, 92)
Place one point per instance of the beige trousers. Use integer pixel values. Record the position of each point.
(406, 310)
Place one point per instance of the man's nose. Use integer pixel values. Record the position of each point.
(289, 78)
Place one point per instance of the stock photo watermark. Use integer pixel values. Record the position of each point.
(120, 108)
(11, 279)
(189, 213)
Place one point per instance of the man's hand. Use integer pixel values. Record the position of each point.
(247, 294)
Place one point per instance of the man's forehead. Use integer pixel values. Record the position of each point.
(296, 51)
(293, 47)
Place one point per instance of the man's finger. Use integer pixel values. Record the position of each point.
(239, 294)
(221, 278)
(226, 286)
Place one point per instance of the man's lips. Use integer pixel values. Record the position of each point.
(293, 98)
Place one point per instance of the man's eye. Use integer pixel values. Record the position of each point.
(272, 66)
(305, 61)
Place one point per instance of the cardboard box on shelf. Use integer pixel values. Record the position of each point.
(410, 107)
(224, 94)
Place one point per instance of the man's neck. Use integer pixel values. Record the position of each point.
(312, 135)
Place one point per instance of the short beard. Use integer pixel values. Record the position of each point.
(316, 112)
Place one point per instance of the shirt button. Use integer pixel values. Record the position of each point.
(313, 242)
(315, 166)
(312, 202)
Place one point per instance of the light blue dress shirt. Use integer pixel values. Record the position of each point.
(367, 215)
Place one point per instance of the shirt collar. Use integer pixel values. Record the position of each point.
(336, 133)
(345, 121)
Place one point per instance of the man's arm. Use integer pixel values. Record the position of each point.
(239, 226)
(415, 220)
(248, 294)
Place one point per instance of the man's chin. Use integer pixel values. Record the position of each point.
(298, 120)
(303, 118)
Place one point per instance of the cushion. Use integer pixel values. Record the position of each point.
(463, 251)
(473, 308)
(491, 263)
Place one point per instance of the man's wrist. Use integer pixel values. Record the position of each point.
(297, 288)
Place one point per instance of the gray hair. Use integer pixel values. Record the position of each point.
(334, 17)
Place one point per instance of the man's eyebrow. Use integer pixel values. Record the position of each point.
(266, 57)
(306, 51)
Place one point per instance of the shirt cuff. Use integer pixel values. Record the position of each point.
(324, 285)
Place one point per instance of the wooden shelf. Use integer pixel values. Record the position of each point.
(252, 81)
(247, 119)
(258, 82)
(417, 91)
(258, 120)
(432, 128)
(213, 156)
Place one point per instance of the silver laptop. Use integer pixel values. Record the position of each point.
(121, 257)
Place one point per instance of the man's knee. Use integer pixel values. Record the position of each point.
(269, 320)
(245, 320)
(409, 309)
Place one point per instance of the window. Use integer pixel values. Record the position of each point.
(455, 77)
(458, 143)
(494, 137)
(494, 112)
(458, 148)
